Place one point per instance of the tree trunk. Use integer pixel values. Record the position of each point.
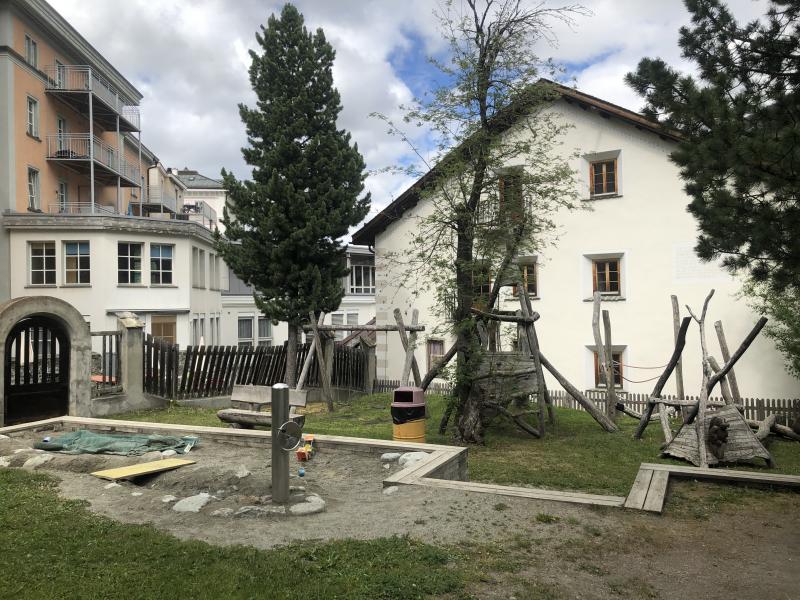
(290, 377)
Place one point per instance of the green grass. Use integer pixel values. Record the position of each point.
(54, 548)
(576, 454)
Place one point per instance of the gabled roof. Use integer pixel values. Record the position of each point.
(195, 181)
(409, 198)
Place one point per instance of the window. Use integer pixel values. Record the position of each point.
(245, 335)
(198, 268)
(164, 327)
(129, 263)
(43, 263)
(481, 285)
(31, 51)
(33, 117)
(213, 272)
(603, 177)
(33, 189)
(435, 352)
(161, 264)
(605, 274)
(61, 75)
(63, 196)
(510, 201)
(264, 332)
(76, 263)
(362, 275)
(599, 379)
(61, 130)
(340, 318)
(528, 273)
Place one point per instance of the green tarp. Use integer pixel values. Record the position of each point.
(88, 442)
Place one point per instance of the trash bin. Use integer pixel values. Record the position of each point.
(408, 415)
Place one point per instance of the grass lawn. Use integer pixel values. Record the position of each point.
(576, 454)
(54, 548)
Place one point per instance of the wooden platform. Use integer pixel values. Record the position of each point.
(649, 489)
(148, 468)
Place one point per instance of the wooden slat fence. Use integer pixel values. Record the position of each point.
(160, 367)
(389, 385)
(785, 410)
(107, 374)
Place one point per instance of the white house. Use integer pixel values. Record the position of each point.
(636, 246)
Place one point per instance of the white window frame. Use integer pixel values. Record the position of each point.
(32, 117)
(45, 245)
(342, 317)
(34, 189)
(61, 132)
(160, 271)
(78, 270)
(367, 275)
(129, 257)
(245, 342)
(267, 339)
(63, 195)
(31, 51)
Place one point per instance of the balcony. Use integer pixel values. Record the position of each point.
(76, 84)
(81, 208)
(201, 213)
(158, 199)
(74, 151)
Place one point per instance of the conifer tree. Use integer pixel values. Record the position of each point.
(284, 227)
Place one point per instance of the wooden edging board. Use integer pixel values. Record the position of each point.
(148, 468)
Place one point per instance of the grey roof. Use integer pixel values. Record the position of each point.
(195, 181)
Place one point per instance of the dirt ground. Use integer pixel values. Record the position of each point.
(745, 547)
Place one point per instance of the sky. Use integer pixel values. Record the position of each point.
(189, 58)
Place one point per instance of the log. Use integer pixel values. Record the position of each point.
(590, 406)
(726, 356)
(248, 419)
(738, 354)
(664, 420)
(515, 418)
(723, 383)
(301, 382)
(777, 429)
(404, 339)
(765, 427)
(506, 318)
(598, 340)
(333, 328)
(435, 369)
(533, 343)
(632, 413)
(322, 364)
(662, 381)
(611, 393)
(676, 326)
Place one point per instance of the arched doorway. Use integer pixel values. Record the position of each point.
(45, 355)
(37, 370)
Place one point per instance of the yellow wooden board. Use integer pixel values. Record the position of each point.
(148, 468)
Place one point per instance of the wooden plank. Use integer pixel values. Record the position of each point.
(641, 485)
(657, 492)
(148, 468)
(727, 475)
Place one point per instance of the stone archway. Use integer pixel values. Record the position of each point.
(65, 321)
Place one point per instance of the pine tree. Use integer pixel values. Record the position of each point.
(283, 227)
(740, 121)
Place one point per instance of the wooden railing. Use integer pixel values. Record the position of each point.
(160, 367)
(107, 376)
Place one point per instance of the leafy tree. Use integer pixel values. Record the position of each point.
(283, 227)
(782, 308)
(740, 121)
(496, 177)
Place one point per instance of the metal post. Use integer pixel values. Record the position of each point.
(280, 457)
(119, 167)
(141, 178)
(91, 142)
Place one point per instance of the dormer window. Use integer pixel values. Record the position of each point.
(362, 275)
(603, 177)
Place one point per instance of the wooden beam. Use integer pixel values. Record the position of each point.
(506, 318)
(435, 369)
(404, 339)
(361, 328)
(322, 365)
(726, 356)
(301, 382)
(611, 393)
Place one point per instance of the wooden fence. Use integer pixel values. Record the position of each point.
(107, 375)
(785, 410)
(160, 367)
(389, 385)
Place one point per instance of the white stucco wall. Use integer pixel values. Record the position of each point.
(649, 225)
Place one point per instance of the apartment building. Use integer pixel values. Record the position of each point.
(204, 198)
(88, 213)
(635, 247)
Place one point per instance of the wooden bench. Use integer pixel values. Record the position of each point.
(249, 401)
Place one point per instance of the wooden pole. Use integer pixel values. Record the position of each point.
(702, 403)
(598, 340)
(533, 343)
(676, 325)
(404, 339)
(723, 383)
(321, 365)
(301, 382)
(611, 392)
(726, 356)
(435, 369)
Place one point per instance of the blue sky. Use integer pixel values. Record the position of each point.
(189, 58)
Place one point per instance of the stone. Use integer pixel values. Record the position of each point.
(169, 498)
(297, 488)
(151, 456)
(168, 453)
(18, 450)
(388, 491)
(388, 457)
(4, 437)
(387, 466)
(192, 503)
(260, 511)
(313, 504)
(4, 461)
(37, 461)
(136, 493)
(409, 458)
(112, 485)
(222, 512)
(241, 472)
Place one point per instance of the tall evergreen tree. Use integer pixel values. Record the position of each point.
(740, 120)
(283, 228)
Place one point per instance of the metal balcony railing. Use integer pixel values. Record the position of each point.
(130, 171)
(75, 146)
(201, 213)
(80, 208)
(82, 78)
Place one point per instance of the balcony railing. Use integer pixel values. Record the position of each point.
(80, 208)
(158, 195)
(82, 78)
(201, 213)
(75, 146)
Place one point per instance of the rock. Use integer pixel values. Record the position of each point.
(260, 511)
(313, 504)
(387, 466)
(37, 461)
(136, 493)
(388, 491)
(222, 512)
(168, 499)
(241, 472)
(192, 503)
(388, 457)
(18, 450)
(5, 461)
(409, 458)
(297, 488)
(111, 485)
(168, 453)
(150, 456)
(4, 437)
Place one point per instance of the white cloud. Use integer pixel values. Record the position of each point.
(189, 58)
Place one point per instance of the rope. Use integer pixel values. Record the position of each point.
(641, 380)
(617, 363)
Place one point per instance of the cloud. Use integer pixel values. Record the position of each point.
(190, 57)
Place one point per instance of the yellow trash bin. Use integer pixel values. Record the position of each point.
(411, 431)
(408, 415)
